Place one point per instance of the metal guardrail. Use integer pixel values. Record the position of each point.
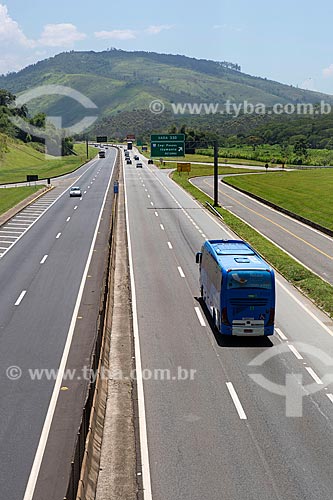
(79, 451)
(213, 209)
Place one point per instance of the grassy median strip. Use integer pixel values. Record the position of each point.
(9, 197)
(316, 289)
(308, 193)
(23, 160)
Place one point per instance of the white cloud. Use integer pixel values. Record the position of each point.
(116, 35)
(155, 30)
(10, 31)
(328, 72)
(60, 35)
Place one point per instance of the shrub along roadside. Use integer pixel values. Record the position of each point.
(311, 285)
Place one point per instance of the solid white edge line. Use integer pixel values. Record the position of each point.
(330, 397)
(314, 375)
(281, 334)
(20, 298)
(295, 351)
(236, 401)
(181, 272)
(47, 208)
(313, 316)
(200, 316)
(43, 259)
(30, 488)
(146, 480)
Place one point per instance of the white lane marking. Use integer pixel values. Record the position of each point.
(148, 195)
(141, 399)
(156, 214)
(68, 219)
(181, 272)
(314, 375)
(85, 192)
(18, 224)
(43, 259)
(236, 401)
(313, 316)
(3, 248)
(88, 187)
(162, 227)
(280, 334)
(46, 209)
(20, 298)
(204, 236)
(75, 207)
(58, 236)
(295, 351)
(24, 218)
(6, 242)
(200, 316)
(169, 245)
(4, 231)
(330, 397)
(29, 492)
(152, 204)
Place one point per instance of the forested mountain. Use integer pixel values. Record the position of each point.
(119, 81)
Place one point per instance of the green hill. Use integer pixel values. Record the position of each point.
(120, 81)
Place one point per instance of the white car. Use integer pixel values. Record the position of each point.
(75, 191)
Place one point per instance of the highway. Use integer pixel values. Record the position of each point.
(208, 429)
(43, 270)
(305, 244)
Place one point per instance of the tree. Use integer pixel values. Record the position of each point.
(301, 147)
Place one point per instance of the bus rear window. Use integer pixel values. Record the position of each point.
(249, 279)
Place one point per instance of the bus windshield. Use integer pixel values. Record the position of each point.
(249, 279)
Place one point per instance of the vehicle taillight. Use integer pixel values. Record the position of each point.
(271, 316)
(224, 318)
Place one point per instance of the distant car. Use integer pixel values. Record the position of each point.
(139, 164)
(128, 161)
(150, 162)
(136, 157)
(101, 154)
(75, 191)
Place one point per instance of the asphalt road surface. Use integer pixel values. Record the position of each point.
(41, 275)
(214, 432)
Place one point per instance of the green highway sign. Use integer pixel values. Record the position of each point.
(162, 149)
(167, 138)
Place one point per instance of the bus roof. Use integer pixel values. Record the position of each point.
(235, 254)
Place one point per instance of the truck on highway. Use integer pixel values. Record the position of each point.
(101, 153)
(238, 288)
(129, 145)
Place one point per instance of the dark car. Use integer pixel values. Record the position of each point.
(150, 162)
(139, 164)
(128, 161)
(136, 157)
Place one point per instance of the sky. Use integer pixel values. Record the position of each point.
(289, 41)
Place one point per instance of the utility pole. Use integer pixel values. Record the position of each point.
(216, 173)
(87, 148)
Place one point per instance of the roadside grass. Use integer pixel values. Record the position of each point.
(311, 285)
(308, 193)
(23, 160)
(9, 197)
(202, 170)
(207, 159)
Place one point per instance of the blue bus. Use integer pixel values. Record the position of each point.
(238, 288)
